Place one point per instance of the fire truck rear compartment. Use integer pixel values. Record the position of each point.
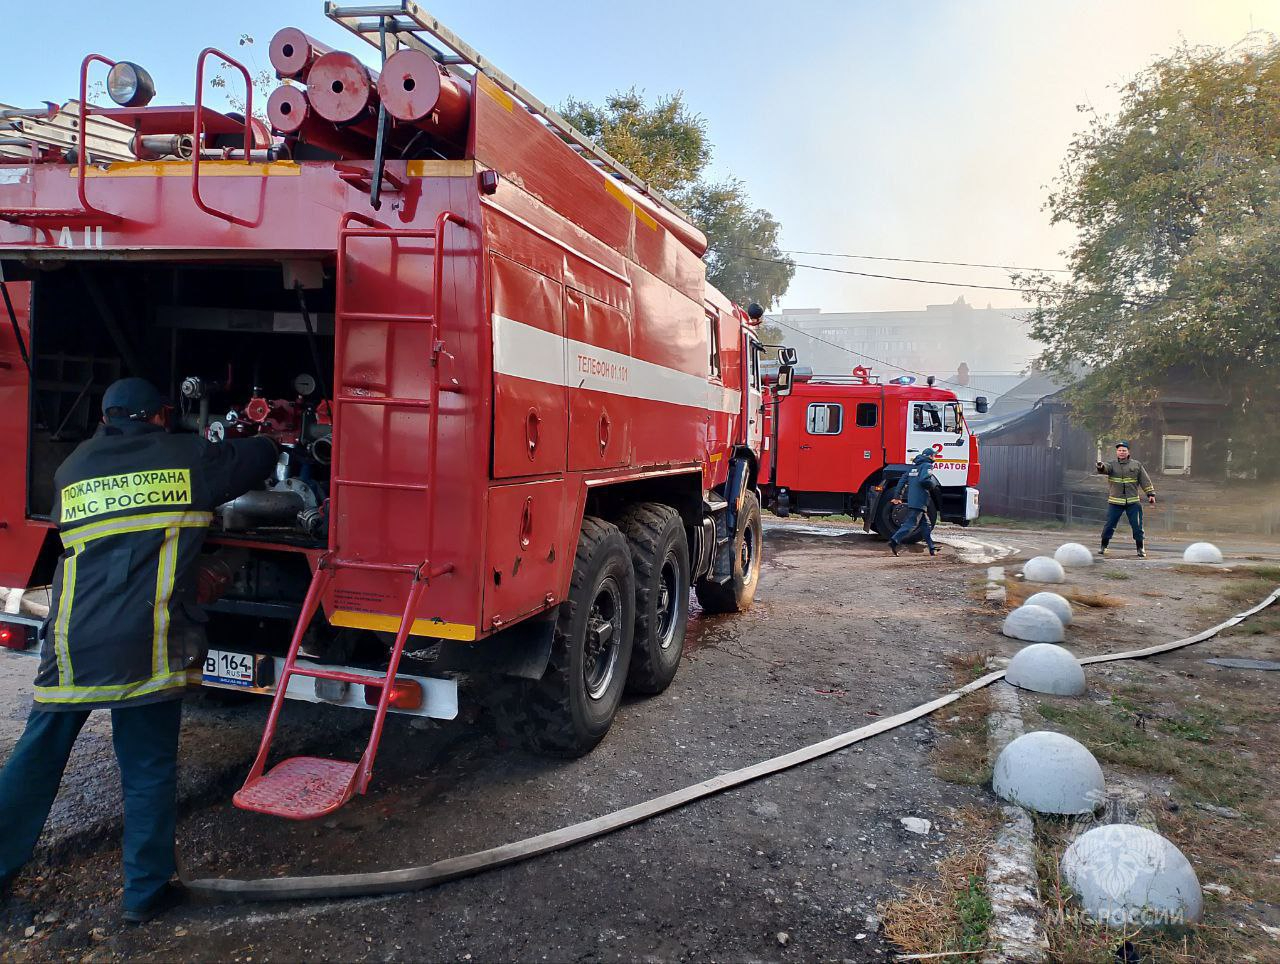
(228, 343)
(230, 346)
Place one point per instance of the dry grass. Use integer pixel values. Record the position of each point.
(949, 915)
(1213, 737)
(1017, 592)
(960, 756)
(1189, 570)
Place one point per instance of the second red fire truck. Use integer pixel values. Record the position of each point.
(837, 445)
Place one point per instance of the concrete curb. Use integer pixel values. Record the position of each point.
(995, 585)
(1012, 883)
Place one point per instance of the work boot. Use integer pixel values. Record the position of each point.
(169, 897)
(933, 551)
(1142, 553)
(893, 546)
(1102, 553)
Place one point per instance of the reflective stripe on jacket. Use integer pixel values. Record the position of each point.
(1124, 478)
(133, 505)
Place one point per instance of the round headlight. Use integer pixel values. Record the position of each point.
(130, 85)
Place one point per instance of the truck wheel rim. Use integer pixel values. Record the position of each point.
(668, 602)
(604, 635)
(748, 554)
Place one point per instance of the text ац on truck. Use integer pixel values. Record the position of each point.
(517, 425)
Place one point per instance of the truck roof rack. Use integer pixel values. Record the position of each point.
(414, 27)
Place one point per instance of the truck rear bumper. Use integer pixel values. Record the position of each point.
(439, 696)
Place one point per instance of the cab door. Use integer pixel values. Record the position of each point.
(939, 425)
(824, 448)
(752, 396)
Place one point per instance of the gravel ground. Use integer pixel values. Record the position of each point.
(789, 868)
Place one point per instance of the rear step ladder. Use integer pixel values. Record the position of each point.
(304, 787)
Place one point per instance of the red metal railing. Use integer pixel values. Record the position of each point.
(197, 131)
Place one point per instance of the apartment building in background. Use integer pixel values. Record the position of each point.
(985, 350)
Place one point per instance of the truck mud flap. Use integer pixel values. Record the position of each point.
(522, 650)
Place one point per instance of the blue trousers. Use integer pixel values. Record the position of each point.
(916, 519)
(146, 745)
(1133, 510)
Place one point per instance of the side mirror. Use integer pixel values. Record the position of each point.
(755, 311)
(787, 356)
(980, 403)
(782, 387)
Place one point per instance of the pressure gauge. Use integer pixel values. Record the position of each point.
(216, 432)
(304, 384)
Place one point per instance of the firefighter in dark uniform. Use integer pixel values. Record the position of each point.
(917, 486)
(133, 505)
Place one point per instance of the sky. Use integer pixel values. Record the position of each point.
(928, 130)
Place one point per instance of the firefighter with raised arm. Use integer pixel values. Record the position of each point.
(133, 505)
(1125, 477)
(917, 485)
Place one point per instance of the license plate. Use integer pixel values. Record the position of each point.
(229, 669)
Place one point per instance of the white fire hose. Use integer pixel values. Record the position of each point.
(452, 868)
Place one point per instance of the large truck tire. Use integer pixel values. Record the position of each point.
(660, 555)
(889, 517)
(569, 710)
(739, 592)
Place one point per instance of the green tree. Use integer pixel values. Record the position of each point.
(743, 259)
(1176, 267)
(667, 145)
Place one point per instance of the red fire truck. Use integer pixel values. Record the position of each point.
(517, 423)
(839, 444)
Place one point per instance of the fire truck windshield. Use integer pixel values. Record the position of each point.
(935, 417)
(926, 417)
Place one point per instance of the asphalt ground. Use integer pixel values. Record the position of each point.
(792, 867)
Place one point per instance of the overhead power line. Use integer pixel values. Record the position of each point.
(772, 320)
(890, 277)
(881, 257)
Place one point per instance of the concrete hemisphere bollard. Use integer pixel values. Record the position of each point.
(1033, 624)
(1043, 569)
(1202, 553)
(1045, 668)
(1049, 773)
(1127, 875)
(1056, 604)
(1073, 555)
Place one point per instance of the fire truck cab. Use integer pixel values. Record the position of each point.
(839, 444)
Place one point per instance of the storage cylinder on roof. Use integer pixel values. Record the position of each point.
(291, 115)
(416, 90)
(292, 53)
(341, 89)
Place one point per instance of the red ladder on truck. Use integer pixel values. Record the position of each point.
(303, 787)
